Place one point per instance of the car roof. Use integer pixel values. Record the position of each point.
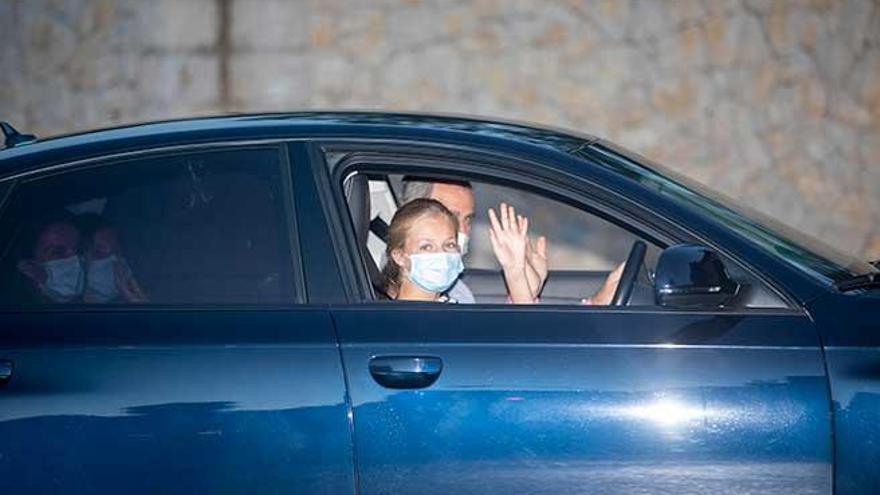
(282, 125)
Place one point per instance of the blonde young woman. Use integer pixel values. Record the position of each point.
(424, 258)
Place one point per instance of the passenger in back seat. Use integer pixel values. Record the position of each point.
(109, 278)
(58, 271)
(52, 272)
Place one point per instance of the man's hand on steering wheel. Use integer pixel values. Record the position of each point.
(620, 282)
(603, 296)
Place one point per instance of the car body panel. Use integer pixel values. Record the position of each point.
(850, 328)
(173, 402)
(596, 402)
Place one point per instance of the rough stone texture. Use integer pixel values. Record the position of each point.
(776, 103)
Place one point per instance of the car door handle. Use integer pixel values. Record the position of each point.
(405, 371)
(5, 371)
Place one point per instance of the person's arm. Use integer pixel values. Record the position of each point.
(537, 265)
(129, 288)
(605, 294)
(509, 238)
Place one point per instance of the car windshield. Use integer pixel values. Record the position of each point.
(801, 250)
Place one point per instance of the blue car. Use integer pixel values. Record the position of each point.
(197, 306)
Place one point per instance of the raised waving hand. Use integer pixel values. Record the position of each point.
(508, 233)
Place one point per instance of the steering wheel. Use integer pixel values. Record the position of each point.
(630, 271)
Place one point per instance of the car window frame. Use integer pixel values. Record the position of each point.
(289, 230)
(517, 170)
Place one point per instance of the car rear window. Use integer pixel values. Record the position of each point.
(207, 227)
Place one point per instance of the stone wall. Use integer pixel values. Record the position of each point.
(776, 103)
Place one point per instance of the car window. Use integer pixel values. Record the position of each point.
(584, 245)
(809, 254)
(581, 241)
(578, 240)
(203, 227)
(583, 249)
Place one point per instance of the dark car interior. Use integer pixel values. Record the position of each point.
(200, 229)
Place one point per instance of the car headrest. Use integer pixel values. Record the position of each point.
(357, 194)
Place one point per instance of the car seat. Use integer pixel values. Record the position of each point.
(357, 195)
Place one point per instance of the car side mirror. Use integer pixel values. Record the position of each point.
(694, 276)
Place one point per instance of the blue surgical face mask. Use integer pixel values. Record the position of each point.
(64, 279)
(101, 280)
(435, 272)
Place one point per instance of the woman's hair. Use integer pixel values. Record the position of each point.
(403, 220)
(29, 233)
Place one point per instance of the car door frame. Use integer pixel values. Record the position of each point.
(439, 159)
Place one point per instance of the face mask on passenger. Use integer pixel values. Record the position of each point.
(435, 272)
(64, 278)
(463, 240)
(101, 280)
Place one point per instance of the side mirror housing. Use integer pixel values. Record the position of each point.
(694, 276)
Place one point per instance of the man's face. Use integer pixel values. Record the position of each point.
(57, 241)
(457, 199)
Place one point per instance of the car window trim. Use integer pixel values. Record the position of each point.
(291, 227)
(391, 145)
(606, 309)
(290, 230)
(333, 216)
(534, 174)
(82, 162)
(5, 200)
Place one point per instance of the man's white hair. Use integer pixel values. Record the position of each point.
(415, 188)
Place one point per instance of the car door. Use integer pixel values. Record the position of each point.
(217, 378)
(579, 399)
